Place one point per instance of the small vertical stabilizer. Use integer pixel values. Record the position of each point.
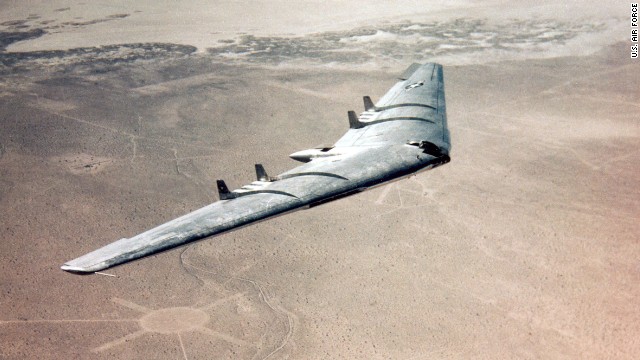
(261, 173)
(368, 104)
(223, 191)
(354, 123)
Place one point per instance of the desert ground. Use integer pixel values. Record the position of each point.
(525, 246)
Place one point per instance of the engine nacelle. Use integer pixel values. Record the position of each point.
(310, 154)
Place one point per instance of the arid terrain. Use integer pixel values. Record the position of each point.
(525, 246)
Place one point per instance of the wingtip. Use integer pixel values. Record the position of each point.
(75, 269)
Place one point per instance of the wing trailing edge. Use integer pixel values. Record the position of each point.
(409, 71)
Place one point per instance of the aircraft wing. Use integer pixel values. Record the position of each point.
(405, 132)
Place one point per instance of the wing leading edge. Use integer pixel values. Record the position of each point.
(405, 132)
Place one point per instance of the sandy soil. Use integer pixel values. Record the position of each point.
(524, 246)
(204, 24)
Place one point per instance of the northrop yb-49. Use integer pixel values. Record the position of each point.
(404, 133)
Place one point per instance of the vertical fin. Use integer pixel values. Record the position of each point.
(354, 123)
(223, 191)
(261, 173)
(368, 104)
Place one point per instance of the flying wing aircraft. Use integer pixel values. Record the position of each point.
(404, 133)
